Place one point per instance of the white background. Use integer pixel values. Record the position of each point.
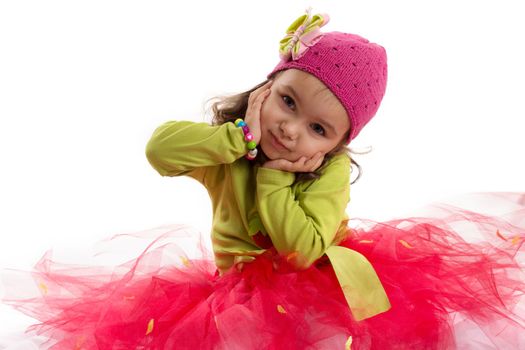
(84, 84)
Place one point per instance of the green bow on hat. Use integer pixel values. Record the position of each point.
(301, 35)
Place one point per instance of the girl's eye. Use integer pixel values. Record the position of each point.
(317, 128)
(289, 101)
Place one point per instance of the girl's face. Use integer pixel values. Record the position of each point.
(301, 117)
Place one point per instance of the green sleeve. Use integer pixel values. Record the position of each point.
(303, 225)
(188, 148)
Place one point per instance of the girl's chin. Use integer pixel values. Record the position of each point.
(274, 156)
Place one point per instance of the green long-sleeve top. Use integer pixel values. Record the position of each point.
(301, 219)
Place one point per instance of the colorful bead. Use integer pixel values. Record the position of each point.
(248, 137)
(251, 145)
(245, 129)
(252, 154)
(237, 121)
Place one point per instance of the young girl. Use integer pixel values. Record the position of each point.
(288, 273)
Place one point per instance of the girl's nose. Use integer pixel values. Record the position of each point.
(289, 129)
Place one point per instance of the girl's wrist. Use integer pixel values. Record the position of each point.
(251, 144)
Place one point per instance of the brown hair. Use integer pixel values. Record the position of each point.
(228, 108)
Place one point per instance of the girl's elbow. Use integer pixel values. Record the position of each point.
(155, 157)
(152, 151)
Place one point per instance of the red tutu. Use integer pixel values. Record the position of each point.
(446, 291)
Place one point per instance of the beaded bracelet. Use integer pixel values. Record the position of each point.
(248, 137)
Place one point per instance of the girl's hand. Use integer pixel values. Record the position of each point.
(253, 112)
(302, 165)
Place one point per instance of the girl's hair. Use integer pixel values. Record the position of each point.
(229, 108)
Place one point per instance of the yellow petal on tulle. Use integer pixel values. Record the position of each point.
(406, 244)
(292, 256)
(150, 327)
(366, 241)
(500, 235)
(281, 309)
(516, 240)
(185, 261)
(43, 287)
(348, 344)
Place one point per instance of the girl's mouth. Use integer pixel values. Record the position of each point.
(277, 144)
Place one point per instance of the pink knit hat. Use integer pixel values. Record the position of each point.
(354, 69)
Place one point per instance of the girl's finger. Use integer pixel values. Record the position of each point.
(257, 92)
(283, 164)
(257, 104)
(300, 164)
(313, 159)
(318, 163)
(263, 95)
(314, 162)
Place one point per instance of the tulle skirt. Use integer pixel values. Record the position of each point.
(454, 277)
